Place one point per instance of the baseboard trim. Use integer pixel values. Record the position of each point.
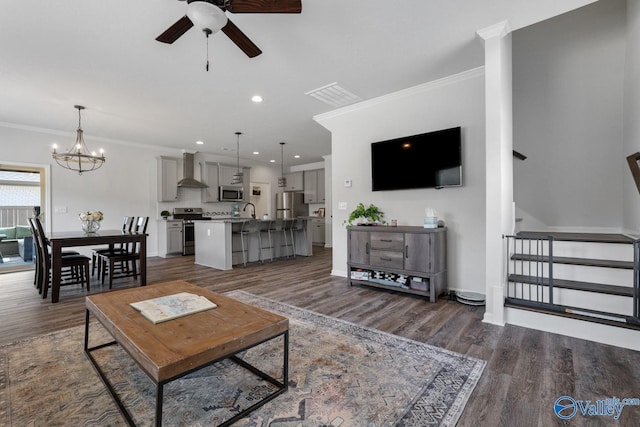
(604, 334)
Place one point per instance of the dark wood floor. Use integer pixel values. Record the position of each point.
(526, 371)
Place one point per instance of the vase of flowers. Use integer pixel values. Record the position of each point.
(90, 221)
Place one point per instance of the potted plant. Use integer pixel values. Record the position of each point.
(371, 214)
(165, 214)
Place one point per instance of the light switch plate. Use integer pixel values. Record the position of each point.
(342, 206)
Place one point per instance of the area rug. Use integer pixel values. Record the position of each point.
(340, 374)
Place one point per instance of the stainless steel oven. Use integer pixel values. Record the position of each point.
(188, 237)
(188, 216)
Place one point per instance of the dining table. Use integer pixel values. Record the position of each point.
(58, 240)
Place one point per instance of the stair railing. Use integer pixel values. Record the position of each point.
(529, 270)
(636, 281)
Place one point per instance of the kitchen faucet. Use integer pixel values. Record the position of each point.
(253, 215)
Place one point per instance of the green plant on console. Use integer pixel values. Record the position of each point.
(371, 213)
(165, 214)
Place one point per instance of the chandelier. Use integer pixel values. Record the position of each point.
(237, 177)
(78, 158)
(282, 181)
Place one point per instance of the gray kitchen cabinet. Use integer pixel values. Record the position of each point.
(405, 259)
(226, 174)
(169, 238)
(321, 192)
(314, 186)
(167, 179)
(317, 231)
(246, 184)
(209, 174)
(295, 181)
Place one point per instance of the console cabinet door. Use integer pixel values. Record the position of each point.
(418, 254)
(358, 247)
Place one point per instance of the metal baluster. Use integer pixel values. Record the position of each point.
(508, 265)
(636, 279)
(550, 269)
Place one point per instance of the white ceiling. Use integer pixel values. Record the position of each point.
(103, 55)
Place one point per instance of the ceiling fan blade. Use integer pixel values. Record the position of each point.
(241, 40)
(174, 32)
(265, 6)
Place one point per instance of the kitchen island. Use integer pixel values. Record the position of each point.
(219, 245)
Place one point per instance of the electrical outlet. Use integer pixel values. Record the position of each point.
(61, 209)
(347, 183)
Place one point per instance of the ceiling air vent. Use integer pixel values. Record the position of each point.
(334, 95)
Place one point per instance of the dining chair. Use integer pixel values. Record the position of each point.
(36, 226)
(124, 263)
(75, 266)
(127, 224)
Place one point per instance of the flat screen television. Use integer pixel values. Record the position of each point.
(427, 160)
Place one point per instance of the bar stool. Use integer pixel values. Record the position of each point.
(297, 226)
(287, 225)
(268, 227)
(250, 227)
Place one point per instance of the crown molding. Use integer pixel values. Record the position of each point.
(500, 29)
(424, 87)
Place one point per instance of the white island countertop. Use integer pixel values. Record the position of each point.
(218, 243)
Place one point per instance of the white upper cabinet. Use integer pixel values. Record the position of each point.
(209, 174)
(295, 181)
(167, 179)
(314, 186)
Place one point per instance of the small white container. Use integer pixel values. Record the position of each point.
(430, 222)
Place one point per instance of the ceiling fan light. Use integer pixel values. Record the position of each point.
(206, 16)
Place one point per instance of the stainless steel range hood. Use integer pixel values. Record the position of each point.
(188, 181)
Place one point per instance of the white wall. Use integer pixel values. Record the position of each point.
(568, 75)
(125, 185)
(455, 101)
(632, 112)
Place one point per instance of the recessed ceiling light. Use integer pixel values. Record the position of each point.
(256, 152)
(272, 161)
(199, 142)
(297, 156)
(256, 98)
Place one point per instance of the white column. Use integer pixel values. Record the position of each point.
(499, 164)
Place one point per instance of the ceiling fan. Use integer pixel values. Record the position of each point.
(209, 16)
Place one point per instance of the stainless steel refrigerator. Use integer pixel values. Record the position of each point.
(290, 204)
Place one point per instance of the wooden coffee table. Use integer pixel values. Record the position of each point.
(163, 350)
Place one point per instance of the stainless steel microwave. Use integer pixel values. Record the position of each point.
(230, 194)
